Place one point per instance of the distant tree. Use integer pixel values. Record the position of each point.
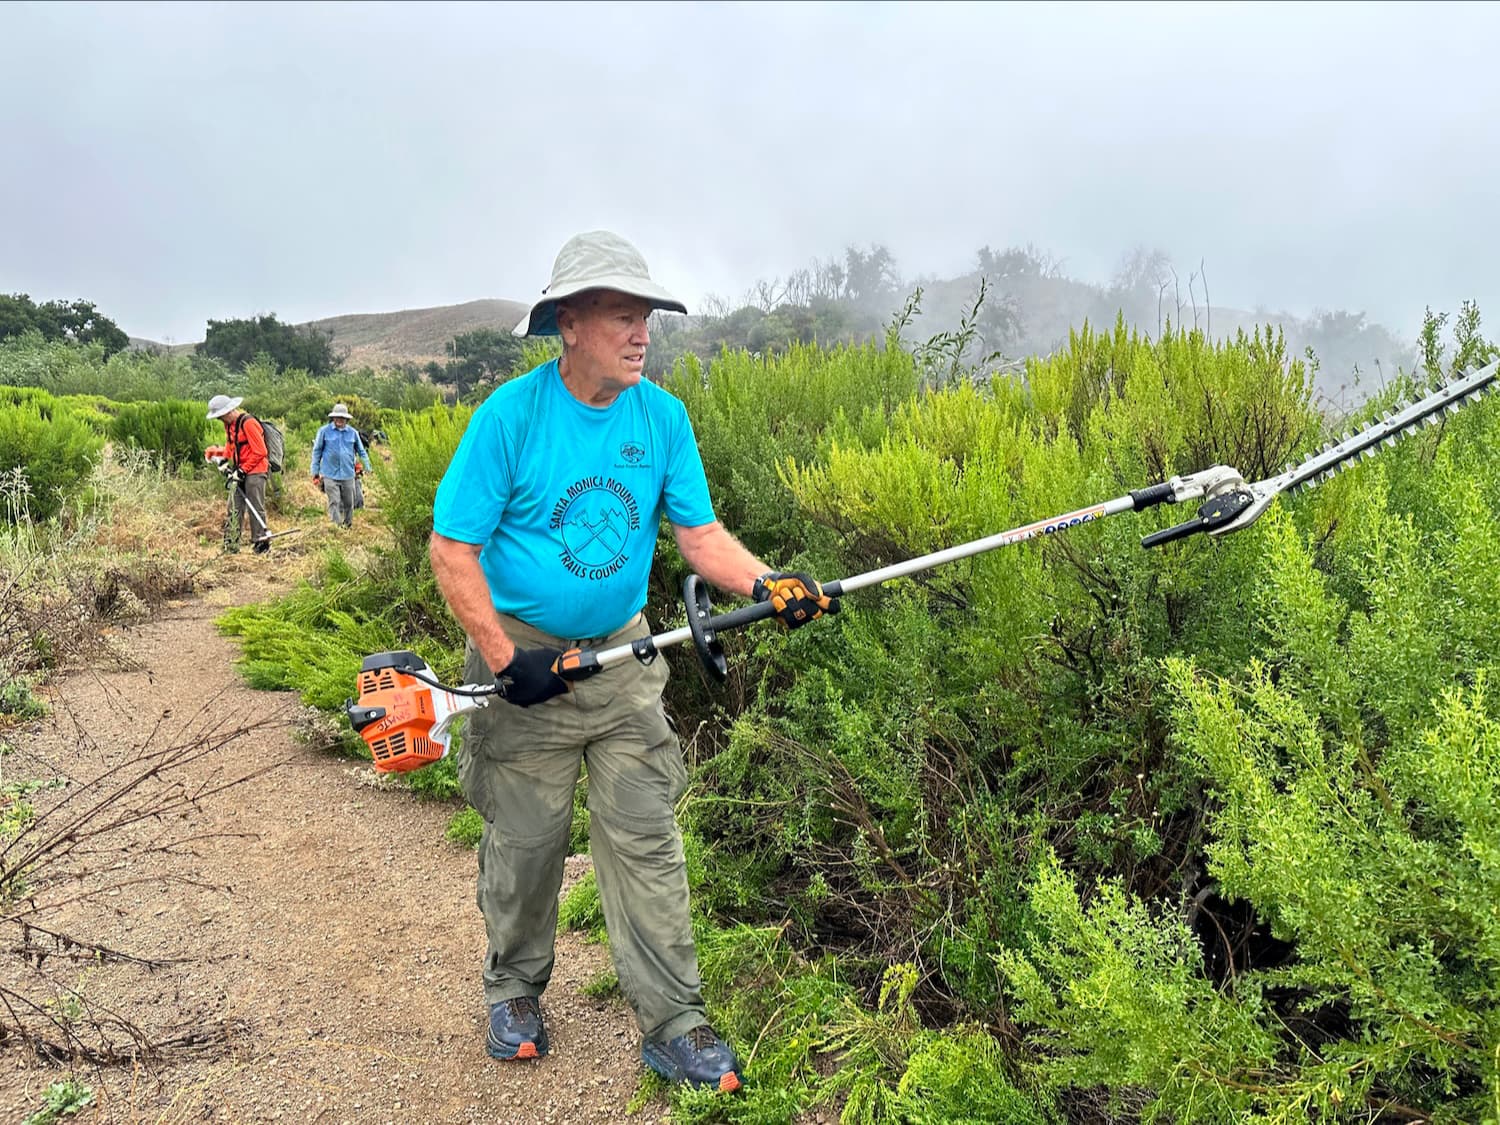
(77, 321)
(1142, 270)
(237, 342)
(485, 355)
(1018, 263)
(871, 275)
(828, 280)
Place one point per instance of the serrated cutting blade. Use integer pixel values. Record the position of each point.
(1349, 450)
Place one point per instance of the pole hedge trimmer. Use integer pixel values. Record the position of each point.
(403, 713)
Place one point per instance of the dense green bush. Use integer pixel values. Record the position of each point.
(173, 432)
(421, 446)
(47, 447)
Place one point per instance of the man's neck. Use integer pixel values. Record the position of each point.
(589, 390)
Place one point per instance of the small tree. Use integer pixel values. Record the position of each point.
(485, 355)
(238, 342)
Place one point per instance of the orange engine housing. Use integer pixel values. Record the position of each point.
(395, 716)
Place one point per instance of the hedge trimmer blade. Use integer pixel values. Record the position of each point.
(1386, 430)
(1231, 504)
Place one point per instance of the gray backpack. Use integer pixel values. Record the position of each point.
(275, 444)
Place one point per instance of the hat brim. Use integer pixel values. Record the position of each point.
(220, 413)
(541, 318)
(344, 416)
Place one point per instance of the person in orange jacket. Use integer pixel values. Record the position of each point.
(245, 443)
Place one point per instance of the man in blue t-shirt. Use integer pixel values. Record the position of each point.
(544, 528)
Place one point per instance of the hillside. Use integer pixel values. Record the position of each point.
(407, 336)
(414, 335)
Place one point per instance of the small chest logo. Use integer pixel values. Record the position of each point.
(632, 453)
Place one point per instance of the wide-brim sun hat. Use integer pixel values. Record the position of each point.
(339, 411)
(220, 405)
(599, 259)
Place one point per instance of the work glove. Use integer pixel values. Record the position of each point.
(529, 678)
(797, 597)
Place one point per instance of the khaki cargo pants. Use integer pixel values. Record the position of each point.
(518, 767)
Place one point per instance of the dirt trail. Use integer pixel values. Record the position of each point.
(343, 938)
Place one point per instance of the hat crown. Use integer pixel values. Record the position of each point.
(596, 255)
(220, 405)
(339, 411)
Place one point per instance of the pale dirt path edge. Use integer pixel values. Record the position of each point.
(348, 940)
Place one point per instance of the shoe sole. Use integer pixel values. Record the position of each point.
(506, 1052)
(728, 1082)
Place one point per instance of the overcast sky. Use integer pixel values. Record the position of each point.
(176, 162)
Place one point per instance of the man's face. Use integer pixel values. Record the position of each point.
(606, 336)
(340, 423)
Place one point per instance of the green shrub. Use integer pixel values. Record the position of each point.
(64, 1099)
(52, 449)
(18, 700)
(421, 445)
(314, 640)
(173, 432)
(465, 829)
(582, 910)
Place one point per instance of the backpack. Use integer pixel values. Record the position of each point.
(275, 444)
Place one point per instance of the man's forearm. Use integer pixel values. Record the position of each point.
(459, 576)
(719, 558)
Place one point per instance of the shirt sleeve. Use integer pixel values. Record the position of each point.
(317, 452)
(685, 491)
(475, 489)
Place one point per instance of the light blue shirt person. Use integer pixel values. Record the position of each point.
(339, 458)
(337, 452)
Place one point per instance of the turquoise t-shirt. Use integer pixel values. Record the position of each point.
(566, 498)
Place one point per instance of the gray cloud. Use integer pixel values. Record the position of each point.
(178, 162)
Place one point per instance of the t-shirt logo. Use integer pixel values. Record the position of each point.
(632, 453)
(594, 519)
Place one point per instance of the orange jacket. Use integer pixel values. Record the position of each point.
(247, 443)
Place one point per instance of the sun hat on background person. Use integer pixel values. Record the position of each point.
(599, 259)
(339, 411)
(220, 405)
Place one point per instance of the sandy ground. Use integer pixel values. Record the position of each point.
(318, 923)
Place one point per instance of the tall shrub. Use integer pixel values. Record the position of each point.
(53, 450)
(421, 446)
(173, 432)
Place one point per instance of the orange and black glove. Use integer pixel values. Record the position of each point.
(797, 597)
(529, 678)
